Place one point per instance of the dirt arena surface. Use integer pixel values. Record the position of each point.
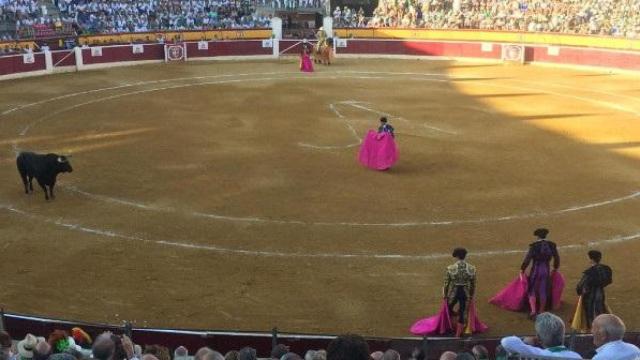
(228, 196)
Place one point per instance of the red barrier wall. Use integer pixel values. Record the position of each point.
(111, 54)
(626, 60)
(588, 57)
(15, 64)
(419, 48)
(228, 48)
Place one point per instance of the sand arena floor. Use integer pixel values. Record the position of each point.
(227, 195)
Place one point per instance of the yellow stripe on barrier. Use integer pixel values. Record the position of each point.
(493, 36)
(234, 34)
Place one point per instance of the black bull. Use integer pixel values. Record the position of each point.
(44, 168)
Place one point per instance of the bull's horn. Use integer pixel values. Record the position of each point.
(60, 160)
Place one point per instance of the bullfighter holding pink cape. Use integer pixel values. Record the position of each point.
(459, 289)
(542, 289)
(378, 150)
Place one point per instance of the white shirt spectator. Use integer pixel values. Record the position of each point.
(617, 350)
(515, 345)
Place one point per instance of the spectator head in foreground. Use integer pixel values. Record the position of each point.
(377, 355)
(278, 351)
(448, 355)
(63, 356)
(480, 352)
(608, 331)
(42, 350)
(5, 346)
(291, 356)
(26, 347)
(103, 347)
(213, 355)
(231, 355)
(319, 355)
(247, 353)
(391, 355)
(348, 347)
(148, 357)
(201, 352)
(465, 356)
(550, 332)
(418, 354)
(180, 352)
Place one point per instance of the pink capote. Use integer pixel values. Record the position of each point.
(513, 296)
(557, 285)
(439, 324)
(475, 325)
(378, 151)
(306, 65)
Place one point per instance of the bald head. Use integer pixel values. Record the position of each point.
(607, 328)
(104, 347)
(201, 352)
(448, 355)
(391, 355)
(149, 357)
(212, 355)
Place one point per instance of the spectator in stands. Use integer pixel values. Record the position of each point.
(201, 353)
(64, 356)
(465, 356)
(377, 355)
(247, 353)
(278, 351)
(291, 356)
(448, 355)
(6, 344)
(159, 351)
(608, 331)
(348, 347)
(418, 354)
(501, 353)
(309, 354)
(26, 346)
(231, 355)
(480, 352)
(550, 332)
(42, 351)
(180, 353)
(103, 347)
(319, 355)
(391, 355)
(213, 355)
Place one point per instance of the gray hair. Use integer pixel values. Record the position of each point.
(391, 355)
(550, 330)
(309, 354)
(320, 355)
(611, 325)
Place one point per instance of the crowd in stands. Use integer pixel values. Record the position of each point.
(589, 17)
(107, 16)
(608, 332)
(292, 4)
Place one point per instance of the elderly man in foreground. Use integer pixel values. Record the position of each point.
(550, 332)
(608, 331)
